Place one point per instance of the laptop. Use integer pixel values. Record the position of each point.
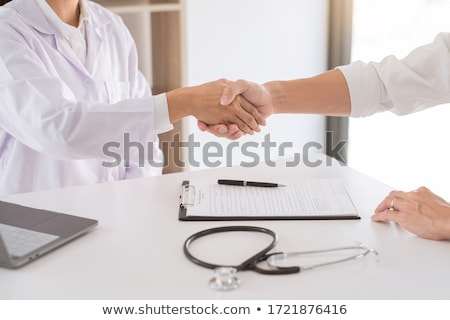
(27, 233)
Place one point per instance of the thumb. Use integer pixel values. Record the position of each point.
(232, 90)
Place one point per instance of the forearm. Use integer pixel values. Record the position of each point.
(325, 94)
(198, 101)
(203, 102)
(180, 103)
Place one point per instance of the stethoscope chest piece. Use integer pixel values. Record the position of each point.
(224, 279)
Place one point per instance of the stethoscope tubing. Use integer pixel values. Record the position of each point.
(250, 263)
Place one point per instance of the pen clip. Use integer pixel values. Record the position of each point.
(187, 195)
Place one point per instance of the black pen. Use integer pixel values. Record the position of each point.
(249, 183)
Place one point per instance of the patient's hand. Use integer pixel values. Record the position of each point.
(421, 212)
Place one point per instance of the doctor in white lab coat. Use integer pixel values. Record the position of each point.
(69, 85)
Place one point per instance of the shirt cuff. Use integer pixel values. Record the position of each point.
(364, 86)
(161, 114)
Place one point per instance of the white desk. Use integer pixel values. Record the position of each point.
(136, 251)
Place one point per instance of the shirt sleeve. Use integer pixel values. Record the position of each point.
(161, 115)
(419, 81)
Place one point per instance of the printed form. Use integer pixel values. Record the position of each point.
(300, 198)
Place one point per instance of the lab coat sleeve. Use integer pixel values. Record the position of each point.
(421, 80)
(42, 113)
(141, 88)
(76, 130)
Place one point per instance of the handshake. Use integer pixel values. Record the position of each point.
(230, 109)
(225, 108)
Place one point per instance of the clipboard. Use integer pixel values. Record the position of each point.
(306, 199)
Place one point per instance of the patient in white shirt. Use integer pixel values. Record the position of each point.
(419, 81)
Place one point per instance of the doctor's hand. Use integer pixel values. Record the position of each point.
(258, 95)
(203, 102)
(420, 212)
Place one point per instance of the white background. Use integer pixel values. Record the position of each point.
(258, 40)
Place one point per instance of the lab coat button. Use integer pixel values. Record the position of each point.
(88, 83)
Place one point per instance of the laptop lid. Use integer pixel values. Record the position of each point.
(63, 227)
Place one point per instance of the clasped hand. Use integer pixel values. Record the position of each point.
(254, 99)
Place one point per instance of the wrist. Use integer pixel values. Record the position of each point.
(180, 103)
(274, 89)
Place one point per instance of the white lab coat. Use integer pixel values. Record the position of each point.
(56, 114)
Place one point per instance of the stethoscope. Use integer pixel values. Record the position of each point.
(225, 275)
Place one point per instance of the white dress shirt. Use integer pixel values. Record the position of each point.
(58, 110)
(419, 81)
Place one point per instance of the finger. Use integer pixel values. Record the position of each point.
(247, 123)
(233, 135)
(385, 204)
(386, 215)
(412, 201)
(219, 130)
(392, 200)
(233, 130)
(236, 135)
(247, 106)
(250, 122)
(244, 121)
(402, 218)
(232, 90)
(214, 129)
(201, 125)
(415, 223)
(400, 194)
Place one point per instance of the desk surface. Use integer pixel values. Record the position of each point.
(136, 251)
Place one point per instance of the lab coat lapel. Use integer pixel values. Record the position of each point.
(37, 20)
(97, 34)
(94, 44)
(64, 48)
